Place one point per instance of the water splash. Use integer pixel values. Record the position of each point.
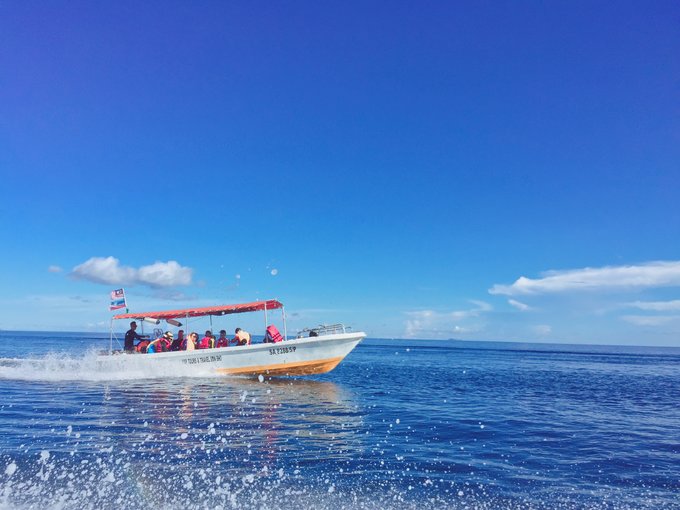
(92, 366)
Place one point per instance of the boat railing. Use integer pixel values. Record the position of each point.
(323, 329)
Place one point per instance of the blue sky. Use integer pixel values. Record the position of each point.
(474, 170)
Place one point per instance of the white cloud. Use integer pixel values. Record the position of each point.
(164, 274)
(519, 305)
(653, 306)
(649, 320)
(650, 274)
(55, 269)
(434, 324)
(657, 306)
(542, 329)
(108, 270)
(105, 270)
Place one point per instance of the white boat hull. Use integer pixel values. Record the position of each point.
(301, 356)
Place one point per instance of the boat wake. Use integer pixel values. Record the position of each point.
(90, 366)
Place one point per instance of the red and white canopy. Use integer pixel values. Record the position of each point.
(255, 306)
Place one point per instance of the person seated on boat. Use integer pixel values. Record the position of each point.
(177, 342)
(151, 346)
(222, 341)
(207, 342)
(167, 340)
(161, 344)
(272, 335)
(142, 346)
(131, 336)
(189, 343)
(242, 337)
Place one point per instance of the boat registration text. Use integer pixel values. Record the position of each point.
(281, 350)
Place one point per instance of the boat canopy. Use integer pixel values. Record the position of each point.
(255, 306)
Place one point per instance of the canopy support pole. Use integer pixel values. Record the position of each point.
(265, 318)
(111, 338)
(285, 331)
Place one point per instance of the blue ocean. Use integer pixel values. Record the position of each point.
(398, 424)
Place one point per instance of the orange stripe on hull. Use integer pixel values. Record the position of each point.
(319, 366)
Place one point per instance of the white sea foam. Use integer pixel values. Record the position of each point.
(91, 366)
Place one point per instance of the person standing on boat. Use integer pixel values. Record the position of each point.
(131, 336)
(242, 337)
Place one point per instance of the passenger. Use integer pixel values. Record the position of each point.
(141, 346)
(223, 341)
(189, 343)
(131, 336)
(177, 342)
(272, 335)
(161, 344)
(166, 341)
(207, 342)
(151, 348)
(242, 337)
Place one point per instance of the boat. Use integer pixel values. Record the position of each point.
(313, 351)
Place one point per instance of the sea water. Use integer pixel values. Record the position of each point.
(398, 424)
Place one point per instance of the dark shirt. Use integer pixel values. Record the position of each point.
(176, 344)
(130, 338)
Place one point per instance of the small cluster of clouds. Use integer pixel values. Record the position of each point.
(557, 294)
(657, 306)
(651, 274)
(523, 307)
(649, 320)
(670, 312)
(434, 324)
(542, 330)
(622, 279)
(108, 270)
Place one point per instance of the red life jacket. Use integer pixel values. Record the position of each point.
(273, 334)
(141, 346)
(163, 345)
(223, 342)
(205, 343)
